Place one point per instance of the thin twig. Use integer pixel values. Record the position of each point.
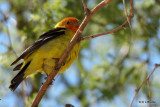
(126, 13)
(106, 33)
(129, 17)
(66, 52)
(137, 90)
(87, 11)
(149, 90)
(8, 33)
(131, 9)
(10, 41)
(114, 30)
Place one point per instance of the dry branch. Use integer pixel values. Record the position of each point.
(87, 11)
(110, 32)
(131, 9)
(147, 79)
(126, 13)
(8, 33)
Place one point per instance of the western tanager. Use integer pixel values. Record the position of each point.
(45, 52)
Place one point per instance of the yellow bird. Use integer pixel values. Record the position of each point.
(46, 51)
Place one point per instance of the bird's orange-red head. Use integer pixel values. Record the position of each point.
(69, 23)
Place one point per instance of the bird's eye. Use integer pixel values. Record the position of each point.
(68, 22)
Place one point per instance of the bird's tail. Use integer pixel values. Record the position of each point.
(18, 78)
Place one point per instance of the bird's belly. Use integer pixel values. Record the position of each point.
(71, 57)
(53, 50)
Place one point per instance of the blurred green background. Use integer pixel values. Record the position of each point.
(108, 69)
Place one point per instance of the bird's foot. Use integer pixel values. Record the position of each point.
(51, 82)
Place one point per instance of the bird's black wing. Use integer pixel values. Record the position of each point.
(44, 38)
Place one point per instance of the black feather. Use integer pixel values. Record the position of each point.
(18, 67)
(18, 78)
(51, 34)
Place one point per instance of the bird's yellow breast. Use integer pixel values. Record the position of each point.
(44, 59)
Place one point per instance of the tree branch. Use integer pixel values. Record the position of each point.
(65, 54)
(131, 9)
(129, 17)
(147, 79)
(87, 11)
(101, 34)
(10, 41)
(8, 33)
(126, 13)
(149, 90)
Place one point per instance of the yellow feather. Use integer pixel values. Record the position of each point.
(43, 60)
